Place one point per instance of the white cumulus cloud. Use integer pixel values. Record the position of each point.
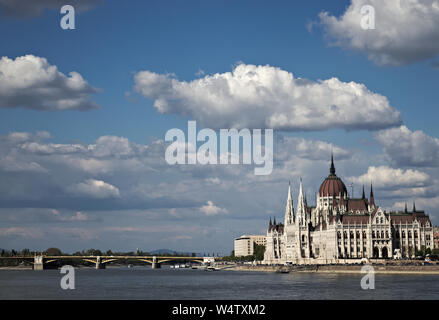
(31, 82)
(268, 97)
(94, 189)
(210, 209)
(388, 178)
(286, 147)
(404, 147)
(405, 31)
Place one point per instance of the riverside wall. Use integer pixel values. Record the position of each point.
(432, 269)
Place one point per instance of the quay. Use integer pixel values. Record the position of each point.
(381, 268)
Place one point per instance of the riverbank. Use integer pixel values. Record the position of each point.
(379, 269)
(17, 268)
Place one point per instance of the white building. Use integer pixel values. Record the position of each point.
(340, 228)
(244, 245)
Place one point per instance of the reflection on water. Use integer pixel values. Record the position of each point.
(145, 283)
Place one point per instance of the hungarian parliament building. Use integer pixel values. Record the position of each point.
(340, 228)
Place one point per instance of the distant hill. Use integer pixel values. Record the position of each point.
(162, 251)
(169, 251)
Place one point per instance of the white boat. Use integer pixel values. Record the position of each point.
(212, 268)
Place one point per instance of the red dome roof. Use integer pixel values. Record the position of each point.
(332, 185)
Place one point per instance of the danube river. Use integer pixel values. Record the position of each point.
(145, 283)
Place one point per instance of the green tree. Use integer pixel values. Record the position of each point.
(93, 252)
(25, 252)
(410, 252)
(53, 252)
(258, 251)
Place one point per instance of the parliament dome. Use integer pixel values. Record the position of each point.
(332, 185)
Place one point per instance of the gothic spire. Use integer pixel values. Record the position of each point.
(289, 210)
(405, 209)
(332, 169)
(372, 199)
(414, 207)
(301, 211)
(364, 196)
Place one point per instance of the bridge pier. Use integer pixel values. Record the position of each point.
(155, 264)
(99, 264)
(38, 263)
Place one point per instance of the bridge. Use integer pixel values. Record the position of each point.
(40, 261)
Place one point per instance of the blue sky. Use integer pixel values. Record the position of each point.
(113, 41)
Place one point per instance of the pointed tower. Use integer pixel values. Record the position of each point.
(332, 169)
(372, 199)
(301, 207)
(364, 195)
(414, 207)
(289, 209)
(405, 208)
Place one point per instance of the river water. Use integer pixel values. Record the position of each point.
(179, 284)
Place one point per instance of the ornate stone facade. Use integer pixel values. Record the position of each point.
(340, 228)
